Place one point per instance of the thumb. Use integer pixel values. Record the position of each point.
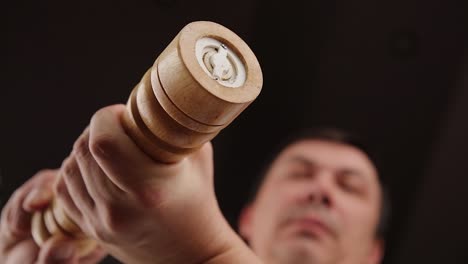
(58, 250)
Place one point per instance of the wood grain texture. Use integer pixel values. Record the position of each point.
(172, 112)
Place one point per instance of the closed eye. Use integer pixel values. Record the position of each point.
(301, 168)
(351, 182)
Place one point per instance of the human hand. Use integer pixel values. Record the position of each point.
(16, 243)
(140, 210)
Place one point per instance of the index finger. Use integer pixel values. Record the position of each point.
(117, 154)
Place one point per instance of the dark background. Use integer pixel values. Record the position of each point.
(395, 72)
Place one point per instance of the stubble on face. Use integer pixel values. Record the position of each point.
(297, 232)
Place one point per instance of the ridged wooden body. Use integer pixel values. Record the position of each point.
(172, 112)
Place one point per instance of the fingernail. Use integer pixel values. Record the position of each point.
(37, 197)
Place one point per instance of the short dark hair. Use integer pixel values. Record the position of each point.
(337, 136)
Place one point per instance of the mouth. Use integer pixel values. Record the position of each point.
(310, 227)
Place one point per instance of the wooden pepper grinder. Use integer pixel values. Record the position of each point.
(198, 85)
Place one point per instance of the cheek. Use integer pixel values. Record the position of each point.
(262, 228)
(359, 224)
(359, 220)
(269, 211)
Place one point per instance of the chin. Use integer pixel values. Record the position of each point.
(297, 252)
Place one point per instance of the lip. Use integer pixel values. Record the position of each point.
(311, 226)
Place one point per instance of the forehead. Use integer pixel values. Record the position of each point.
(327, 154)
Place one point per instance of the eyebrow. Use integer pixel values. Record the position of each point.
(311, 164)
(303, 161)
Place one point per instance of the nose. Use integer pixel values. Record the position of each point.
(319, 199)
(318, 193)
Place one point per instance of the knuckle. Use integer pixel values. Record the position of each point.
(16, 195)
(10, 227)
(14, 231)
(149, 196)
(102, 145)
(70, 168)
(60, 189)
(111, 218)
(81, 148)
(107, 228)
(13, 202)
(103, 235)
(6, 212)
(46, 171)
(5, 222)
(45, 176)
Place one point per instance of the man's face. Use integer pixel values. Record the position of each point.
(319, 203)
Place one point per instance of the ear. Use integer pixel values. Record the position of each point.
(245, 222)
(376, 252)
